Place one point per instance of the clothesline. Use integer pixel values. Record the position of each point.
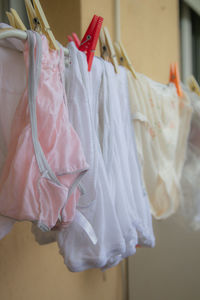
(19, 34)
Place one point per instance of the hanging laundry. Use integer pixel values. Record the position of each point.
(121, 161)
(42, 142)
(190, 181)
(96, 204)
(12, 86)
(133, 227)
(161, 120)
(99, 218)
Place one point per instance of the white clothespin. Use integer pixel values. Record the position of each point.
(123, 58)
(193, 85)
(32, 17)
(15, 20)
(45, 28)
(111, 49)
(11, 19)
(103, 46)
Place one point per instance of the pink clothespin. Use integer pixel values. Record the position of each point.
(70, 39)
(89, 41)
(76, 40)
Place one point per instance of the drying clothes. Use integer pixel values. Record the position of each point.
(121, 161)
(190, 181)
(45, 160)
(110, 123)
(96, 203)
(161, 121)
(12, 86)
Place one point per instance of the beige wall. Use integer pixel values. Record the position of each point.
(149, 31)
(171, 270)
(32, 272)
(64, 17)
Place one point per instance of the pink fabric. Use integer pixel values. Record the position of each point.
(25, 193)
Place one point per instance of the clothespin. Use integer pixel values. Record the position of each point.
(89, 41)
(15, 20)
(171, 73)
(193, 85)
(103, 46)
(32, 17)
(111, 49)
(76, 39)
(45, 28)
(70, 38)
(174, 78)
(119, 54)
(123, 58)
(11, 19)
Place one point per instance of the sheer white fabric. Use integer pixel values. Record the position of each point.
(121, 161)
(96, 204)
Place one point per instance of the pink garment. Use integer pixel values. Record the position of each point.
(45, 160)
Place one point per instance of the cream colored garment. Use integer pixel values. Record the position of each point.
(190, 181)
(161, 122)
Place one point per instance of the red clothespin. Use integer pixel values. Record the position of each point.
(174, 78)
(171, 73)
(89, 41)
(76, 40)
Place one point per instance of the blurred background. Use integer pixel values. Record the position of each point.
(155, 33)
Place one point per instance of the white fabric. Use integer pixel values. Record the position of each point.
(12, 86)
(120, 156)
(190, 181)
(97, 204)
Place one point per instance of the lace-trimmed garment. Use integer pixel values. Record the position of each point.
(190, 181)
(161, 121)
